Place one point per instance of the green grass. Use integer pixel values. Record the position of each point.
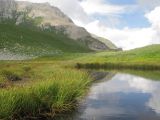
(146, 58)
(31, 41)
(141, 58)
(50, 84)
(50, 90)
(53, 85)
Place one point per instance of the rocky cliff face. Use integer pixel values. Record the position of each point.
(111, 46)
(51, 15)
(54, 17)
(7, 9)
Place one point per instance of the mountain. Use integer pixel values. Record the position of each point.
(35, 29)
(19, 42)
(54, 17)
(109, 44)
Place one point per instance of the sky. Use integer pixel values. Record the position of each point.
(127, 23)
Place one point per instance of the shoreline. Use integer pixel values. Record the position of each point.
(118, 66)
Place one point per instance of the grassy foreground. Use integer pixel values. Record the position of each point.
(49, 85)
(49, 89)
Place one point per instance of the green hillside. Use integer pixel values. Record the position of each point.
(31, 41)
(146, 57)
(146, 54)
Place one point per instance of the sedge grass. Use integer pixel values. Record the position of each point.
(55, 90)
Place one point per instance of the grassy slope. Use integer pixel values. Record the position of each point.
(146, 56)
(142, 58)
(24, 40)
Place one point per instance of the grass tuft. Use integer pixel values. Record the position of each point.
(52, 91)
(10, 76)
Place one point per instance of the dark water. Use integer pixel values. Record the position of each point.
(119, 96)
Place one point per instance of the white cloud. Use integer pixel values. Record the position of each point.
(129, 38)
(99, 7)
(35, 1)
(126, 38)
(148, 4)
(73, 9)
(154, 18)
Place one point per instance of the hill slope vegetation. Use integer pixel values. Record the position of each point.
(29, 41)
(141, 58)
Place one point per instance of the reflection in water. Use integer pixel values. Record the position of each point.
(100, 75)
(123, 97)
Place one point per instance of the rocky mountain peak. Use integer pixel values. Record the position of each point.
(50, 14)
(53, 16)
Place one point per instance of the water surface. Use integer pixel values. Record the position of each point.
(121, 96)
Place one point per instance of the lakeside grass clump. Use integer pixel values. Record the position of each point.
(54, 90)
(119, 66)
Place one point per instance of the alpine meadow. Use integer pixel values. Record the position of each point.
(51, 67)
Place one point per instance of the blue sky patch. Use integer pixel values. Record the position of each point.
(121, 2)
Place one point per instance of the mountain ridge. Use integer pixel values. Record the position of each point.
(56, 18)
(28, 21)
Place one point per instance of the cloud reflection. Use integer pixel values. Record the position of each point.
(109, 95)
